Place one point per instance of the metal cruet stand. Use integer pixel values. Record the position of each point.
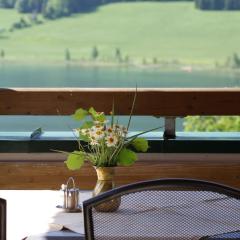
(71, 197)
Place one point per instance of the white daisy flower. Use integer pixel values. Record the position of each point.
(111, 140)
(99, 134)
(84, 131)
(94, 141)
(109, 130)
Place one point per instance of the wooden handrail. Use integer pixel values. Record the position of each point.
(150, 101)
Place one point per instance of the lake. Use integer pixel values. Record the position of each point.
(75, 76)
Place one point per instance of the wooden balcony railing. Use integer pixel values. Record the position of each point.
(163, 102)
(45, 171)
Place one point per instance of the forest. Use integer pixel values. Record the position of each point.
(52, 9)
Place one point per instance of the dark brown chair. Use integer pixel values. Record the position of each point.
(3, 219)
(176, 209)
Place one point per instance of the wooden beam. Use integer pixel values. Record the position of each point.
(163, 102)
(32, 173)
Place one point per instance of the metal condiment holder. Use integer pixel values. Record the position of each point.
(71, 197)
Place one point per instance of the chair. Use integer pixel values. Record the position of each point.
(176, 209)
(3, 219)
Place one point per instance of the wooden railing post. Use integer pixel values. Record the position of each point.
(169, 127)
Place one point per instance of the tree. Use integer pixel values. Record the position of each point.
(218, 4)
(2, 53)
(235, 63)
(35, 5)
(22, 6)
(67, 55)
(118, 54)
(56, 8)
(212, 123)
(95, 52)
(7, 3)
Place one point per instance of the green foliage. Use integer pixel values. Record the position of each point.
(140, 144)
(56, 8)
(232, 4)
(126, 157)
(105, 142)
(81, 32)
(118, 55)
(155, 60)
(80, 114)
(106, 145)
(7, 3)
(35, 5)
(212, 123)
(236, 61)
(75, 160)
(22, 6)
(67, 55)
(2, 54)
(126, 59)
(94, 53)
(233, 61)
(218, 4)
(144, 61)
(22, 23)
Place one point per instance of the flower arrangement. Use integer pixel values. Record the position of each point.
(103, 142)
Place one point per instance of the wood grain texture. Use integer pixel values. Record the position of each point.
(164, 102)
(51, 174)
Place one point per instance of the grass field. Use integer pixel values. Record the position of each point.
(166, 31)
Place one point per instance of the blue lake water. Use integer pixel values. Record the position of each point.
(75, 76)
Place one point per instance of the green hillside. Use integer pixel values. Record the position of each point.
(166, 31)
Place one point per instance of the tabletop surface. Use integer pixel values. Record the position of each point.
(31, 212)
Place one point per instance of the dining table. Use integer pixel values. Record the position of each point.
(37, 215)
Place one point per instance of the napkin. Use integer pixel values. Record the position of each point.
(71, 221)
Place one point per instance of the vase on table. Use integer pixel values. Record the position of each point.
(105, 182)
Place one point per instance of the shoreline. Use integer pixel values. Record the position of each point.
(121, 65)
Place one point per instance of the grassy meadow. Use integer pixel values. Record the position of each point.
(171, 32)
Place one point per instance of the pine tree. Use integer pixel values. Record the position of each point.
(95, 52)
(67, 55)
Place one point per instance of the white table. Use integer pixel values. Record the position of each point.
(31, 212)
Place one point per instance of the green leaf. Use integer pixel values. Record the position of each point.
(87, 124)
(80, 114)
(126, 157)
(92, 111)
(75, 160)
(140, 144)
(97, 116)
(84, 138)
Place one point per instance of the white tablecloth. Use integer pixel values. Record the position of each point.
(31, 212)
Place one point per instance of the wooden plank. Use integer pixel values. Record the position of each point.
(164, 102)
(50, 175)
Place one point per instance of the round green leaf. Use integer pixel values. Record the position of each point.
(75, 160)
(80, 114)
(126, 157)
(140, 144)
